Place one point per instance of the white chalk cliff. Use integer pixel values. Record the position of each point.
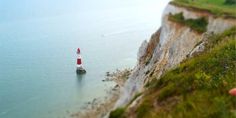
(170, 45)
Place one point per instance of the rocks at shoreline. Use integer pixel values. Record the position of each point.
(100, 107)
(119, 76)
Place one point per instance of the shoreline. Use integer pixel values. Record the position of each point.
(101, 107)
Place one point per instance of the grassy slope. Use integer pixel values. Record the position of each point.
(197, 88)
(217, 7)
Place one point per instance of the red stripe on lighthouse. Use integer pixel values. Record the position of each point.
(79, 61)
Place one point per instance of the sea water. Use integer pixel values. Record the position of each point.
(38, 56)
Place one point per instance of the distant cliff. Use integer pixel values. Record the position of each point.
(184, 34)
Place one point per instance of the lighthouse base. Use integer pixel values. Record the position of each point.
(80, 70)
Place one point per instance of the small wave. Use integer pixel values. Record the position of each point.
(125, 31)
(116, 33)
(3, 113)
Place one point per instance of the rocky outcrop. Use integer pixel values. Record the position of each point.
(168, 47)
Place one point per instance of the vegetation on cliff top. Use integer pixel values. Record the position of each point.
(217, 7)
(199, 24)
(198, 87)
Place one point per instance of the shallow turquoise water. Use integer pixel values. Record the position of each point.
(38, 57)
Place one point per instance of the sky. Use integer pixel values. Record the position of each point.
(28, 9)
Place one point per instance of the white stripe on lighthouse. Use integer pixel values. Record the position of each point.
(79, 66)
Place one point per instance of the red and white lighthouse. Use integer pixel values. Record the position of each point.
(79, 67)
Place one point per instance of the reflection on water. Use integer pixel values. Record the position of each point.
(80, 77)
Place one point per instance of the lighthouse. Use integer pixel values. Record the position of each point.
(79, 67)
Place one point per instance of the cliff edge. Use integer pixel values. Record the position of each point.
(184, 34)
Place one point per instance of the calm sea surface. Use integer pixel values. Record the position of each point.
(38, 58)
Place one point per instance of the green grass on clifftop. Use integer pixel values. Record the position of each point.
(199, 24)
(217, 7)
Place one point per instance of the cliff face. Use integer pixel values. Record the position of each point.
(170, 45)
